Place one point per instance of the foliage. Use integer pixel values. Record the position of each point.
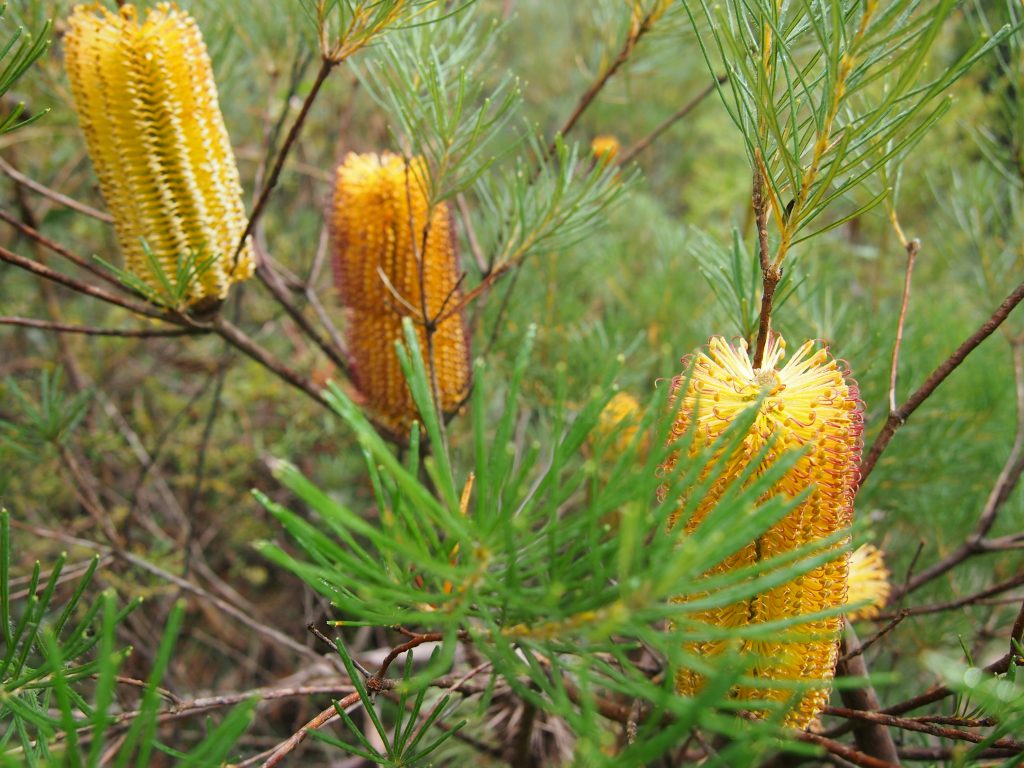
(518, 566)
(59, 673)
(19, 50)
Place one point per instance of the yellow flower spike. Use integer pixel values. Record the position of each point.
(389, 264)
(869, 580)
(808, 404)
(147, 104)
(618, 422)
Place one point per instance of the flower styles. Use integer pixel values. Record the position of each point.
(808, 404)
(395, 257)
(147, 103)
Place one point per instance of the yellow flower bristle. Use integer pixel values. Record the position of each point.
(389, 264)
(147, 103)
(807, 404)
(869, 581)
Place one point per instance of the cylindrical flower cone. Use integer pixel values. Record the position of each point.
(395, 257)
(809, 404)
(869, 583)
(147, 104)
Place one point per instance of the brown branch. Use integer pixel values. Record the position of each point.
(913, 724)
(87, 330)
(41, 270)
(899, 417)
(639, 146)
(896, 621)
(270, 279)
(326, 65)
(939, 692)
(872, 738)
(60, 250)
(289, 745)
(975, 598)
(636, 32)
(254, 351)
(1005, 484)
(19, 178)
(846, 753)
(771, 274)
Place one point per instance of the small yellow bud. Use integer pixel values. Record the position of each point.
(605, 147)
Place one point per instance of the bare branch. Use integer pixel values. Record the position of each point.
(899, 417)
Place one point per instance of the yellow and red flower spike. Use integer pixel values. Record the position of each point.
(395, 257)
(869, 581)
(810, 404)
(147, 103)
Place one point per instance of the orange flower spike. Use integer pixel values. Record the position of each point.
(809, 404)
(147, 103)
(390, 264)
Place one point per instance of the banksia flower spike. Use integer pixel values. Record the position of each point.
(869, 581)
(618, 424)
(808, 404)
(393, 258)
(147, 103)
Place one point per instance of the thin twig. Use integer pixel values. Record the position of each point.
(188, 586)
(41, 270)
(899, 417)
(896, 621)
(639, 146)
(35, 235)
(909, 724)
(467, 227)
(636, 32)
(88, 330)
(20, 178)
(912, 247)
(939, 692)
(270, 279)
(289, 745)
(975, 598)
(326, 65)
(771, 274)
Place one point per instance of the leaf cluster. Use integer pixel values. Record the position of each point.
(826, 92)
(556, 570)
(59, 672)
(18, 52)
